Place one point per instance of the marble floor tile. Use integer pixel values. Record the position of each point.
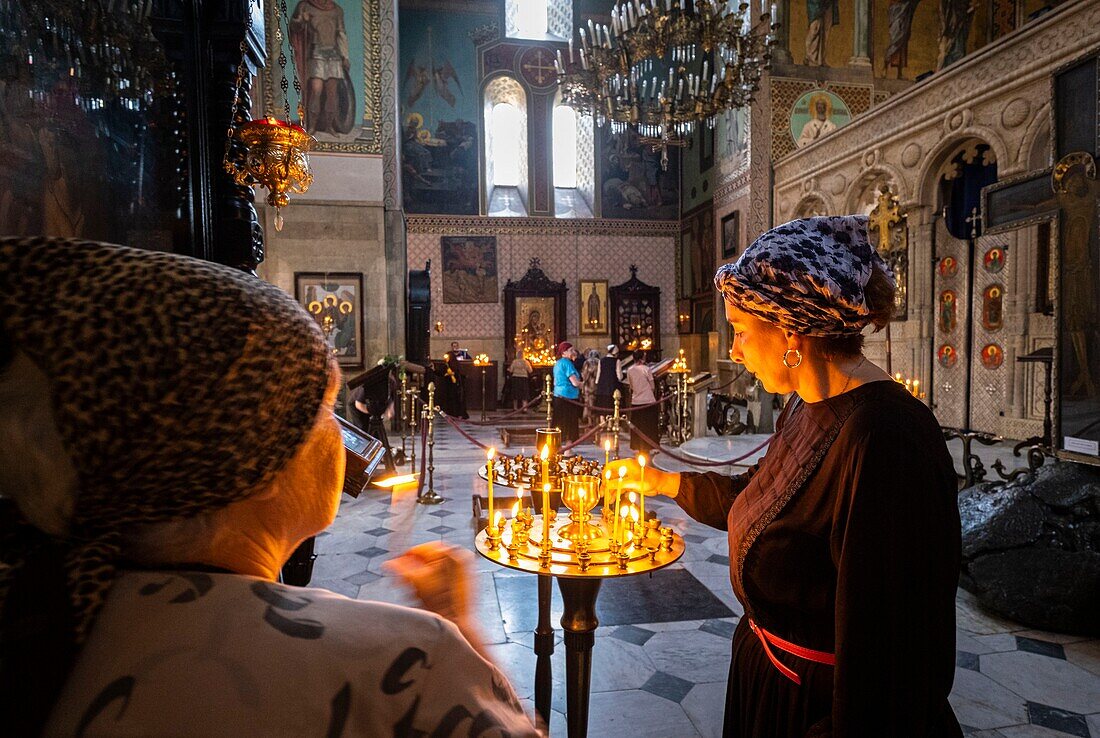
(996, 643)
(966, 642)
(972, 618)
(338, 566)
(1045, 635)
(1085, 654)
(704, 705)
(635, 713)
(518, 664)
(980, 702)
(694, 655)
(1048, 681)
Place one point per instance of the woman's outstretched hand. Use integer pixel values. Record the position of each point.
(653, 482)
(439, 575)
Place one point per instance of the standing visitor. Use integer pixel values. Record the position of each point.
(567, 390)
(644, 413)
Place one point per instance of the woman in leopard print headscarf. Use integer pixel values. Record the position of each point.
(844, 538)
(166, 441)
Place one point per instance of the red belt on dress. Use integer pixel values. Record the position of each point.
(766, 638)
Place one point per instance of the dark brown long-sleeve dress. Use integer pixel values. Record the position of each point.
(844, 538)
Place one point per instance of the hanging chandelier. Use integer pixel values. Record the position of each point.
(667, 67)
(272, 153)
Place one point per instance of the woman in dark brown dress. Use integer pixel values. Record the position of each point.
(844, 538)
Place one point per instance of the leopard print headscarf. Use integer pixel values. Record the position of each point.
(177, 385)
(806, 276)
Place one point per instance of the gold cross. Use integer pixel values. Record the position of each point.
(541, 68)
(884, 217)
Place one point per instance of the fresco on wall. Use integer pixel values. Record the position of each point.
(732, 143)
(697, 247)
(632, 182)
(335, 51)
(439, 109)
(816, 114)
(919, 36)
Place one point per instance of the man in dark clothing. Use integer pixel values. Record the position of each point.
(609, 378)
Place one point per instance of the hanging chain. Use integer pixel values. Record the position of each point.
(231, 129)
(293, 72)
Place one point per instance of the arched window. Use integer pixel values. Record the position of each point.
(565, 147)
(573, 148)
(505, 151)
(505, 120)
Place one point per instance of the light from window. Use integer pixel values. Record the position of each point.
(565, 146)
(506, 122)
(531, 18)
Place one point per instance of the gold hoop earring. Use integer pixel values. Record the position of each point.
(797, 353)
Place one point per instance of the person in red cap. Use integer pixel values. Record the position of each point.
(567, 390)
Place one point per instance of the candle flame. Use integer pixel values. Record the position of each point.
(496, 518)
(632, 498)
(641, 460)
(622, 472)
(545, 453)
(546, 487)
(515, 509)
(606, 445)
(634, 514)
(622, 513)
(492, 452)
(607, 475)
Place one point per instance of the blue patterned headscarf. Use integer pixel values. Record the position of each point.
(806, 276)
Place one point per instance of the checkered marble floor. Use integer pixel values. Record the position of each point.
(668, 679)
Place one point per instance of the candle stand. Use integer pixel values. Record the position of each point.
(580, 559)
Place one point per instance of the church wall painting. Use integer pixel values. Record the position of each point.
(731, 234)
(469, 269)
(632, 183)
(949, 311)
(335, 300)
(336, 51)
(906, 34)
(816, 114)
(593, 307)
(439, 106)
(992, 310)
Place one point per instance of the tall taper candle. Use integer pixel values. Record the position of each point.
(606, 451)
(619, 498)
(546, 516)
(545, 456)
(641, 487)
(490, 457)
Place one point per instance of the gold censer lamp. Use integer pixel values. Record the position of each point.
(275, 158)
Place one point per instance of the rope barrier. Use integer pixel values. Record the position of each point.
(467, 436)
(623, 409)
(697, 462)
(583, 438)
(512, 414)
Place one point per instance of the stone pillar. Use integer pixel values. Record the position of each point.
(921, 300)
(861, 35)
(396, 247)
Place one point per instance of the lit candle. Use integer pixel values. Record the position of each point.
(634, 519)
(490, 462)
(619, 495)
(641, 486)
(606, 451)
(545, 456)
(620, 524)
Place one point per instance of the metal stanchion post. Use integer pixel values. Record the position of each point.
(618, 396)
(404, 415)
(549, 401)
(484, 401)
(429, 496)
(411, 415)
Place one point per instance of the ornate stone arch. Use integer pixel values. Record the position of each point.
(862, 193)
(811, 204)
(1036, 149)
(927, 185)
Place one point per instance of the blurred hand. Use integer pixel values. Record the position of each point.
(656, 482)
(439, 575)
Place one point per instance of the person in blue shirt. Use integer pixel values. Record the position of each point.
(567, 386)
